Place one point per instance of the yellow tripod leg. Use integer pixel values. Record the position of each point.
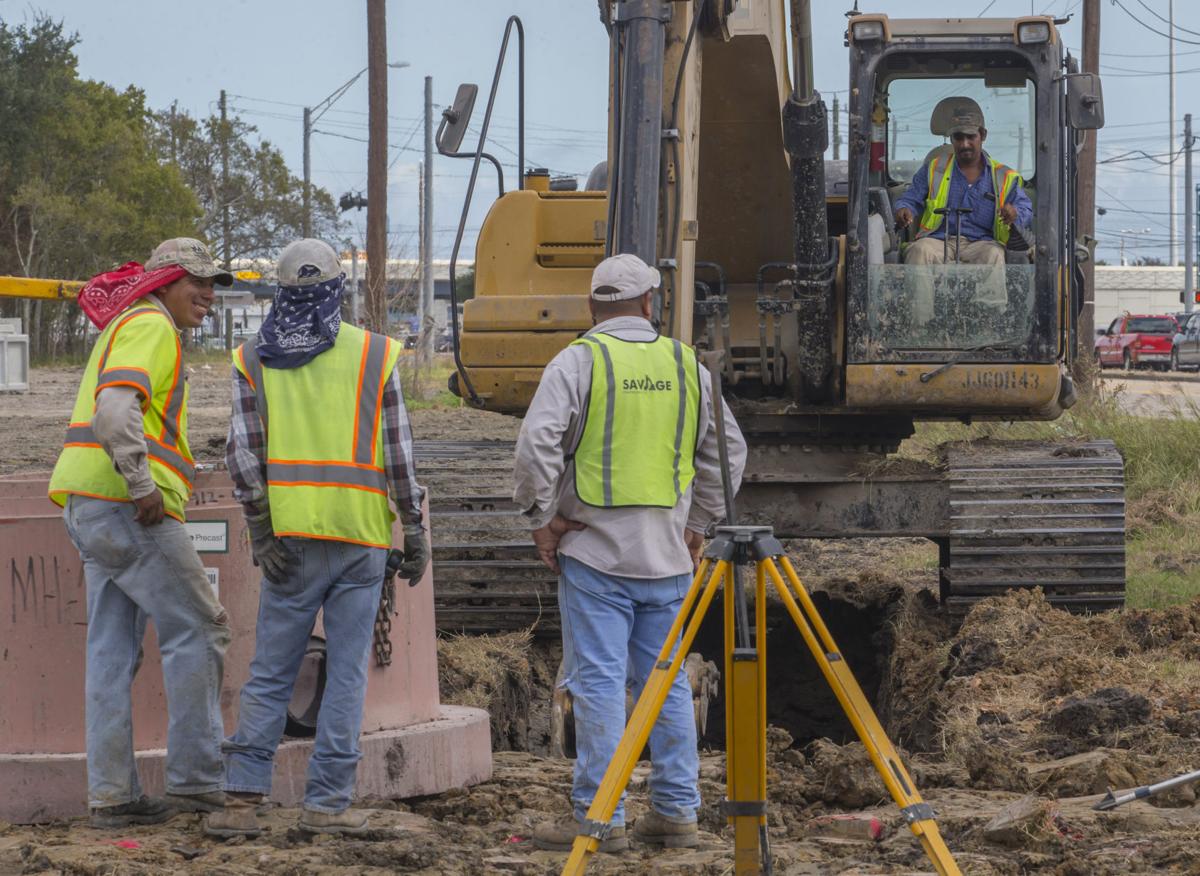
(900, 785)
(745, 742)
(645, 713)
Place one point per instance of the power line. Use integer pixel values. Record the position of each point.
(1151, 29)
(1166, 21)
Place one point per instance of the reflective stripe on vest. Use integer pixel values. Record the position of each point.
(325, 464)
(84, 467)
(640, 423)
(1004, 180)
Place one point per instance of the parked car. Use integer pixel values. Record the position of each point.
(1137, 340)
(1185, 350)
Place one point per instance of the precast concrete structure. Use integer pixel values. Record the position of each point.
(412, 744)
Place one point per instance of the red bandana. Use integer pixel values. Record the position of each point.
(107, 294)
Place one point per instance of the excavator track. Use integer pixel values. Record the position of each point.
(487, 577)
(1028, 514)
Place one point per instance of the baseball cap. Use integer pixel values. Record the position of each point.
(308, 261)
(621, 277)
(191, 255)
(966, 120)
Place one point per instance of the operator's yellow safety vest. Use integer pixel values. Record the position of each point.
(325, 465)
(139, 349)
(1004, 180)
(639, 434)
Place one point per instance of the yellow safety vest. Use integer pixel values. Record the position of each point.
(325, 465)
(1004, 180)
(139, 349)
(639, 435)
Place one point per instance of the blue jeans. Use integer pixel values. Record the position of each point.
(613, 628)
(135, 573)
(345, 580)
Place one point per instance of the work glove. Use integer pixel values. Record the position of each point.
(416, 553)
(270, 554)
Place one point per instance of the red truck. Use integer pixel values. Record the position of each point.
(1137, 340)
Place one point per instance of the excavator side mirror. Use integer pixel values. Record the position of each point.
(455, 119)
(1085, 101)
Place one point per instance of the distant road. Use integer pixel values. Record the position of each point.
(1156, 396)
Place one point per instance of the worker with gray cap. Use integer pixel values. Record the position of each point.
(617, 472)
(124, 479)
(318, 439)
(967, 207)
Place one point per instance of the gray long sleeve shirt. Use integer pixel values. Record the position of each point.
(633, 542)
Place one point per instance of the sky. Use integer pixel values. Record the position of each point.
(273, 57)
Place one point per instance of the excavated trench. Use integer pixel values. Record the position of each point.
(799, 700)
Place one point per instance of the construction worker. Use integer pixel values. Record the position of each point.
(319, 436)
(123, 479)
(991, 194)
(617, 471)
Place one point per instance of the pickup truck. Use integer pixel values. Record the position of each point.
(1137, 340)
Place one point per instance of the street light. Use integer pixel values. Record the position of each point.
(1132, 232)
(311, 116)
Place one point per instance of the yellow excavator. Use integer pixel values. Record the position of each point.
(791, 267)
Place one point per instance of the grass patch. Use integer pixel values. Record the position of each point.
(1162, 483)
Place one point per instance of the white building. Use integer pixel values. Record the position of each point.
(1136, 290)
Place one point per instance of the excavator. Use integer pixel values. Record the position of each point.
(789, 270)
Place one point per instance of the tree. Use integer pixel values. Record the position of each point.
(264, 199)
(81, 188)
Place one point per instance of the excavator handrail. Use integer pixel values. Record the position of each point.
(513, 20)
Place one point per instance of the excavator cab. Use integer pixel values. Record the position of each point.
(998, 335)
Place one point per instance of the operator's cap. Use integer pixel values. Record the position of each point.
(191, 255)
(966, 120)
(307, 262)
(622, 277)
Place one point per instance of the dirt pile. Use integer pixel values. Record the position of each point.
(1026, 697)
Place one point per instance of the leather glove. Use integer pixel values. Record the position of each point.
(270, 554)
(416, 553)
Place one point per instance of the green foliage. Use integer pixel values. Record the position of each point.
(80, 185)
(464, 283)
(265, 201)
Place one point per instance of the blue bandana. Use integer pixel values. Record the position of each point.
(303, 323)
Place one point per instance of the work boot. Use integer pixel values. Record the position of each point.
(239, 817)
(351, 821)
(143, 810)
(211, 801)
(559, 836)
(656, 830)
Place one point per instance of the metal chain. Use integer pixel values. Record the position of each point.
(383, 622)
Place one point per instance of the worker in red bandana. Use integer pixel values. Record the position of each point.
(124, 477)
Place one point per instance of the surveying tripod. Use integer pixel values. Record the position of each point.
(734, 548)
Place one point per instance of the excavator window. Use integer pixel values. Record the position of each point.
(952, 291)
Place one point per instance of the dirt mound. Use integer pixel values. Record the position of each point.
(1022, 685)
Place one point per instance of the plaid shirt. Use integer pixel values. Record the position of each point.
(246, 451)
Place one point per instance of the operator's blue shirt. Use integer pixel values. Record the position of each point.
(976, 225)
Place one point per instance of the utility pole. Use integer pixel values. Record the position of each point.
(895, 133)
(420, 284)
(837, 140)
(376, 166)
(1085, 203)
(226, 225)
(355, 297)
(1171, 134)
(306, 219)
(1020, 148)
(426, 338)
(1189, 222)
